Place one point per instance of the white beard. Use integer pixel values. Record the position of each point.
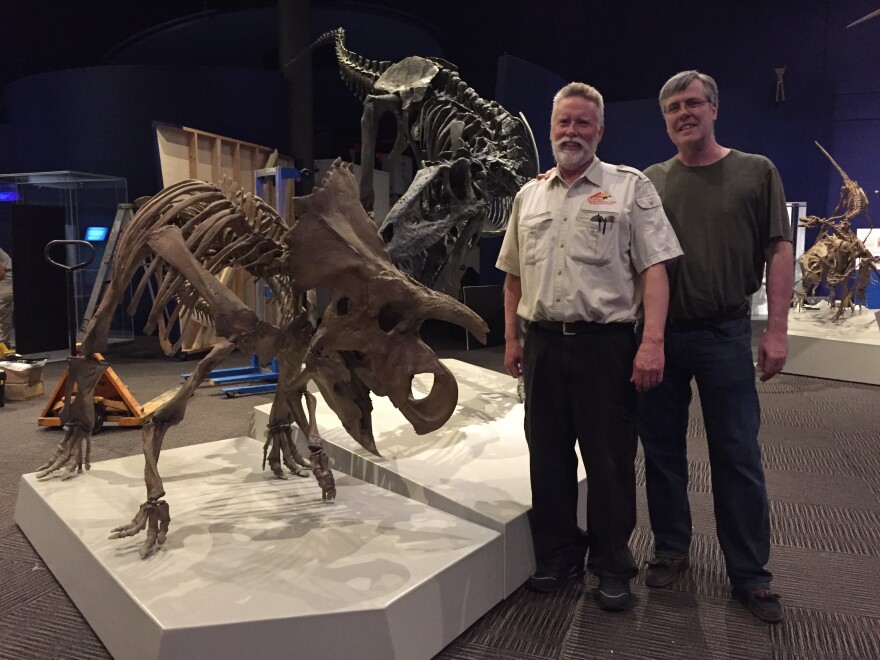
(572, 160)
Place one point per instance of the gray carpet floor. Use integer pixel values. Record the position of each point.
(821, 448)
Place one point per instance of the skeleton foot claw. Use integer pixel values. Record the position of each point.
(153, 515)
(297, 470)
(280, 451)
(68, 461)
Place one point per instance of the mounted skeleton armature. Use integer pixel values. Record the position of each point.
(368, 339)
(472, 157)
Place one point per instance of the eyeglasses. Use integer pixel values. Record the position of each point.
(690, 104)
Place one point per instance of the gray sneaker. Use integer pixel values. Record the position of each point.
(550, 579)
(614, 595)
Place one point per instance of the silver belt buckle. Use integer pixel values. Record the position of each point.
(565, 330)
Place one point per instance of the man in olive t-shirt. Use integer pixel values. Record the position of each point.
(728, 211)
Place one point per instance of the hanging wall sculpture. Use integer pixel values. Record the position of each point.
(838, 258)
(472, 157)
(367, 341)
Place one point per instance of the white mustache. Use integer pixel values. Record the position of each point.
(580, 141)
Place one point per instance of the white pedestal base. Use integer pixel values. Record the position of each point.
(258, 567)
(475, 467)
(847, 350)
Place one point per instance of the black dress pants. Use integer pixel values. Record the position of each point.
(578, 389)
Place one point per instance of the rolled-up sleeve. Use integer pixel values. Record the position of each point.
(508, 256)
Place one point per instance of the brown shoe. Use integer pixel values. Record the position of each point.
(761, 602)
(661, 571)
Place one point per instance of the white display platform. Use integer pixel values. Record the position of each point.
(847, 350)
(475, 467)
(259, 567)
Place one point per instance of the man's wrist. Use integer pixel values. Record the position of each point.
(653, 338)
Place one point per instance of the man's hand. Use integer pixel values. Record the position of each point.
(546, 175)
(648, 365)
(513, 355)
(772, 352)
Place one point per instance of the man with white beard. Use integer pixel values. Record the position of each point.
(584, 255)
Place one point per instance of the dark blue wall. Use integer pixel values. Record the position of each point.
(749, 119)
(523, 87)
(832, 92)
(100, 119)
(832, 87)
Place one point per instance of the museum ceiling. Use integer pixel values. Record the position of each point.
(623, 47)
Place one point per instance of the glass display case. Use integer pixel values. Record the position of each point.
(37, 207)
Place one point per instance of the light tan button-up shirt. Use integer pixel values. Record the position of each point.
(579, 250)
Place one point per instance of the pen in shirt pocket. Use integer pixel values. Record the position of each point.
(602, 221)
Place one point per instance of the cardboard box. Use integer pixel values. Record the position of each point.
(23, 391)
(23, 373)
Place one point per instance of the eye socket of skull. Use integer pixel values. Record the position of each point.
(389, 318)
(387, 233)
(342, 306)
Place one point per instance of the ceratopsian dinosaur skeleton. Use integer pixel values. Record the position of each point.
(472, 157)
(838, 258)
(368, 339)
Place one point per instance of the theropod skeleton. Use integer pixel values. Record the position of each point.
(472, 156)
(368, 339)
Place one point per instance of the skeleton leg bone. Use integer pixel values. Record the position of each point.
(374, 107)
(154, 513)
(233, 321)
(319, 460)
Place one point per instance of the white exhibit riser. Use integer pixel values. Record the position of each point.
(847, 350)
(475, 467)
(417, 545)
(259, 567)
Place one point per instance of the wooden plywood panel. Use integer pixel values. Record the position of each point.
(188, 153)
(173, 156)
(229, 165)
(204, 156)
(248, 165)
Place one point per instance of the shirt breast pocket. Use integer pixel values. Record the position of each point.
(595, 236)
(534, 232)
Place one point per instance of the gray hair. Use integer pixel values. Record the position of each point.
(584, 91)
(681, 80)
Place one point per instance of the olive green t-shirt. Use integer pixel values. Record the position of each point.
(725, 215)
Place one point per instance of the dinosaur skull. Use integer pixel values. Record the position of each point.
(434, 227)
(369, 334)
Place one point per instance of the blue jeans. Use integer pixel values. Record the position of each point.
(719, 357)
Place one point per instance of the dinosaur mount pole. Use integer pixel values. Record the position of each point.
(294, 37)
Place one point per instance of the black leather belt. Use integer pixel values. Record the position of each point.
(578, 327)
(723, 316)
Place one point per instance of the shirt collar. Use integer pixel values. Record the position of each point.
(593, 174)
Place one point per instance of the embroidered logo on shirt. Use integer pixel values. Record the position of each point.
(600, 198)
